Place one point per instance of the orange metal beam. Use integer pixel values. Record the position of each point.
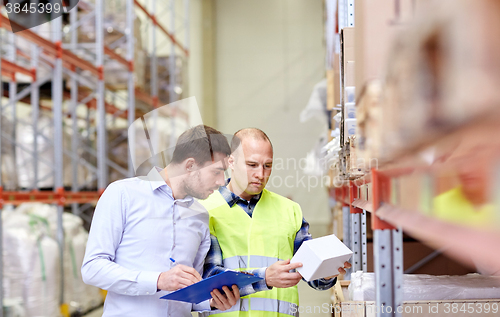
(109, 108)
(70, 60)
(14, 68)
(143, 96)
(7, 73)
(50, 48)
(353, 195)
(49, 197)
(381, 193)
(116, 56)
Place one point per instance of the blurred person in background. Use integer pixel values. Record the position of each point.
(258, 231)
(470, 203)
(149, 235)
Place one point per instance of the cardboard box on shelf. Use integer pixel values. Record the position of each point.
(164, 73)
(349, 128)
(440, 72)
(350, 74)
(462, 53)
(369, 125)
(377, 22)
(333, 82)
(350, 110)
(347, 54)
(116, 75)
(330, 89)
(355, 165)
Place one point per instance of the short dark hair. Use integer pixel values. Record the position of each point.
(200, 143)
(254, 133)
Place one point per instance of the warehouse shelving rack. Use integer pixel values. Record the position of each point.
(378, 195)
(390, 219)
(88, 92)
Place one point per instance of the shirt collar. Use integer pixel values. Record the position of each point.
(157, 181)
(231, 198)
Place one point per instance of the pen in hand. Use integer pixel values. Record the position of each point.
(179, 276)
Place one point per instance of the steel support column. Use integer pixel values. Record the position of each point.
(364, 256)
(355, 228)
(387, 250)
(35, 111)
(1, 177)
(130, 83)
(57, 100)
(101, 112)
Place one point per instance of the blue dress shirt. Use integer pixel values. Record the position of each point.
(137, 227)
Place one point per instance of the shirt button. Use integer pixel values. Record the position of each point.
(147, 293)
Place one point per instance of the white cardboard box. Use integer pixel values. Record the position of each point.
(321, 257)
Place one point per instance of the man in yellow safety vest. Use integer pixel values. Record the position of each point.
(255, 230)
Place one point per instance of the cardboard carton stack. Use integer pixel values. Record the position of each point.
(437, 72)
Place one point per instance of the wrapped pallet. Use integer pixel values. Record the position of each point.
(43, 280)
(9, 171)
(13, 308)
(80, 296)
(114, 24)
(25, 160)
(164, 67)
(16, 227)
(422, 287)
(31, 265)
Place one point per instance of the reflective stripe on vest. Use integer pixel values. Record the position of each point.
(262, 304)
(256, 261)
(255, 242)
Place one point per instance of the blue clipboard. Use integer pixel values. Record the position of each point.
(198, 292)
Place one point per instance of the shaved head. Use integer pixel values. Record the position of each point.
(248, 133)
(251, 162)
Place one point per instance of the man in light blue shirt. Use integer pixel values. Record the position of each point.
(142, 225)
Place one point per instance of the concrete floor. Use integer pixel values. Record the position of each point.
(312, 302)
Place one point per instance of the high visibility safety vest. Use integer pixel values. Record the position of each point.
(254, 242)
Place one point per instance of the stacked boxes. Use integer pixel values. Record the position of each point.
(441, 72)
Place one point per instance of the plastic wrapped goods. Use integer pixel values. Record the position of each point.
(9, 172)
(15, 241)
(24, 158)
(80, 296)
(42, 282)
(31, 265)
(164, 67)
(316, 106)
(421, 287)
(13, 308)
